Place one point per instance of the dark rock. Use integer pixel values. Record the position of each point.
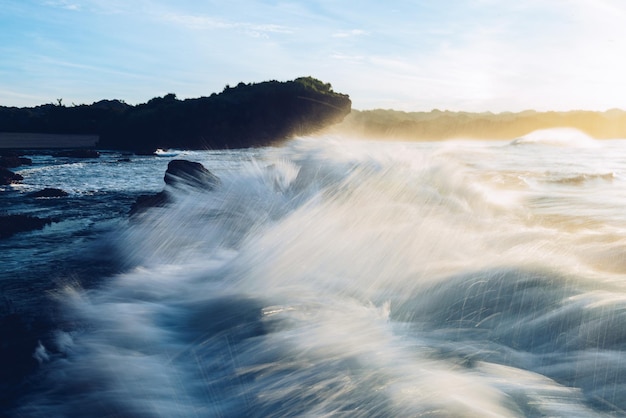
(23, 335)
(18, 342)
(148, 201)
(190, 173)
(12, 224)
(79, 153)
(14, 161)
(9, 177)
(144, 151)
(179, 172)
(49, 192)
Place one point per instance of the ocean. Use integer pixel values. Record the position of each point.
(328, 277)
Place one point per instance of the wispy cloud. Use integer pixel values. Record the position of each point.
(477, 55)
(347, 57)
(63, 4)
(349, 33)
(204, 22)
(22, 99)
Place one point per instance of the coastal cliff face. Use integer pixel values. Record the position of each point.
(247, 115)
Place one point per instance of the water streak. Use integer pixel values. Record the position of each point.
(338, 278)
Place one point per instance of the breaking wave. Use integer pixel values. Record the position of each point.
(338, 278)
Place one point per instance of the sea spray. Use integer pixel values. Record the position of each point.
(331, 277)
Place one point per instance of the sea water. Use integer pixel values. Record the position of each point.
(339, 277)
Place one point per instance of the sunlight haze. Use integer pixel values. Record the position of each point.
(470, 55)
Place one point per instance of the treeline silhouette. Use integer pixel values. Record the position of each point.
(438, 125)
(242, 116)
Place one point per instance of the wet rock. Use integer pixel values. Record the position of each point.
(13, 224)
(14, 161)
(49, 192)
(190, 173)
(17, 344)
(9, 177)
(148, 201)
(79, 153)
(179, 172)
(144, 151)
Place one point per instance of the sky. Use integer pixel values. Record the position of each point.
(411, 55)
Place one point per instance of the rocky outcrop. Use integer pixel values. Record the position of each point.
(13, 224)
(147, 201)
(78, 153)
(9, 177)
(189, 173)
(49, 192)
(179, 173)
(18, 343)
(12, 161)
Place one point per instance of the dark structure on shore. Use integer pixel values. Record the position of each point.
(247, 115)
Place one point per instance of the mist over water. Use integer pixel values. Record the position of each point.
(330, 277)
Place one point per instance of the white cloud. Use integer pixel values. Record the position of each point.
(203, 22)
(525, 59)
(347, 57)
(349, 34)
(63, 4)
(478, 55)
(197, 22)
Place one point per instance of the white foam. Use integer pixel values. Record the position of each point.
(330, 277)
(561, 137)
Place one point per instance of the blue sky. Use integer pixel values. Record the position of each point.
(474, 55)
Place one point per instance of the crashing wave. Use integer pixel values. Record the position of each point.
(562, 137)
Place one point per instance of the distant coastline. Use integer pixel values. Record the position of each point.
(440, 125)
(266, 113)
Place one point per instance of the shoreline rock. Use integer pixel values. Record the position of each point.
(178, 173)
(13, 161)
(78, 153)
(19, 342)
(8, 177)
(147, 201)
(13, 224)
(48, 192)
(190, 173)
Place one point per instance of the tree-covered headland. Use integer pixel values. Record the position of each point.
(242, 116)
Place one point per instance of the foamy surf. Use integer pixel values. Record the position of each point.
(562, 137)
(338, 278)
